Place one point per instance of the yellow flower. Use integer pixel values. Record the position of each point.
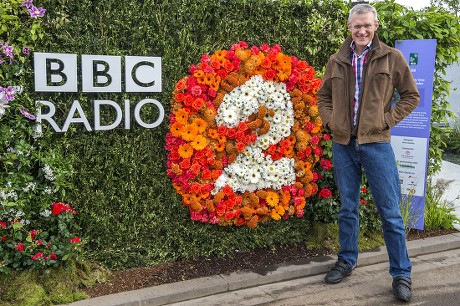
(275, 215)
(272, 198)
(313, 111)
(199, 143)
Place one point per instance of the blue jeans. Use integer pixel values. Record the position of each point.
(379, 164)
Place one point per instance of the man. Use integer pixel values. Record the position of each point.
(355, 104)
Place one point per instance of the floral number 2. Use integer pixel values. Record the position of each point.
(245, 136)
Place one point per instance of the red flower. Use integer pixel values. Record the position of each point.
(327, 137)
(53, 256)
(4, 238)
(326, 164)
(363, 202)
(364, 190)
(32, 234)
(269, 74)
(314, 140)
(38, 255)
(318, 151)
(325, 193)
(20, 247)
(240, 146)
(3, 224)
(75, 240)
(58, 207)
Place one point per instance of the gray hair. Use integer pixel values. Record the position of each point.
(363, 8)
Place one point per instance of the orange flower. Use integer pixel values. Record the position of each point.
(213, 133)
(198, 74)
(243, 54)
(206, 175)
(182, 84)
(200, 124)
(219, 147)
(220, 53)
(175, 168)
(189, 132)
(210, 206)
(198, 103)
(176, 129)
(253, 222)
(182, 116)
(185, 150)
(313, 111)
(275, 215)
(199, 143)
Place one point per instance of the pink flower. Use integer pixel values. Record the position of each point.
(265, 48)
(205, 58)
(196, 90)
(299, 213)
(255, 50)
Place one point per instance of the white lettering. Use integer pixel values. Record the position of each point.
(97, 115)
(70, 119)
(49, 116)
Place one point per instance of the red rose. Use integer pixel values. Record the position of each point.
(325, 193)
(20, 247)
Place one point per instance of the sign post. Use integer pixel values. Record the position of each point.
(410, 138)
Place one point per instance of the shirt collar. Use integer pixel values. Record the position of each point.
(368, 47)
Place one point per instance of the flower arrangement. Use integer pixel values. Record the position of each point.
(48, 240)
(246, 141)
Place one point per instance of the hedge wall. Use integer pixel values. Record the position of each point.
(127, 207)
(128, 210)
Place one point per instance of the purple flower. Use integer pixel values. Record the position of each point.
(27, 115)
(26, 50)
(9, 93)
(36, 12)
(27, 3)
(8, 50)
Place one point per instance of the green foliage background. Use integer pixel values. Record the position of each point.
(127, 207)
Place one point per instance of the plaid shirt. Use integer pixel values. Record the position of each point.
(358, 61)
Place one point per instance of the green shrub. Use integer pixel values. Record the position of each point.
(439, 213)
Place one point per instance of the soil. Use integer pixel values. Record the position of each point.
(177, 271)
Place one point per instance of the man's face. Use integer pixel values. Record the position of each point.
(362, 28)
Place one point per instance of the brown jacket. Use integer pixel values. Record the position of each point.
(385, 70)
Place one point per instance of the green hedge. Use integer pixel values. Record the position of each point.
(127, 207)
